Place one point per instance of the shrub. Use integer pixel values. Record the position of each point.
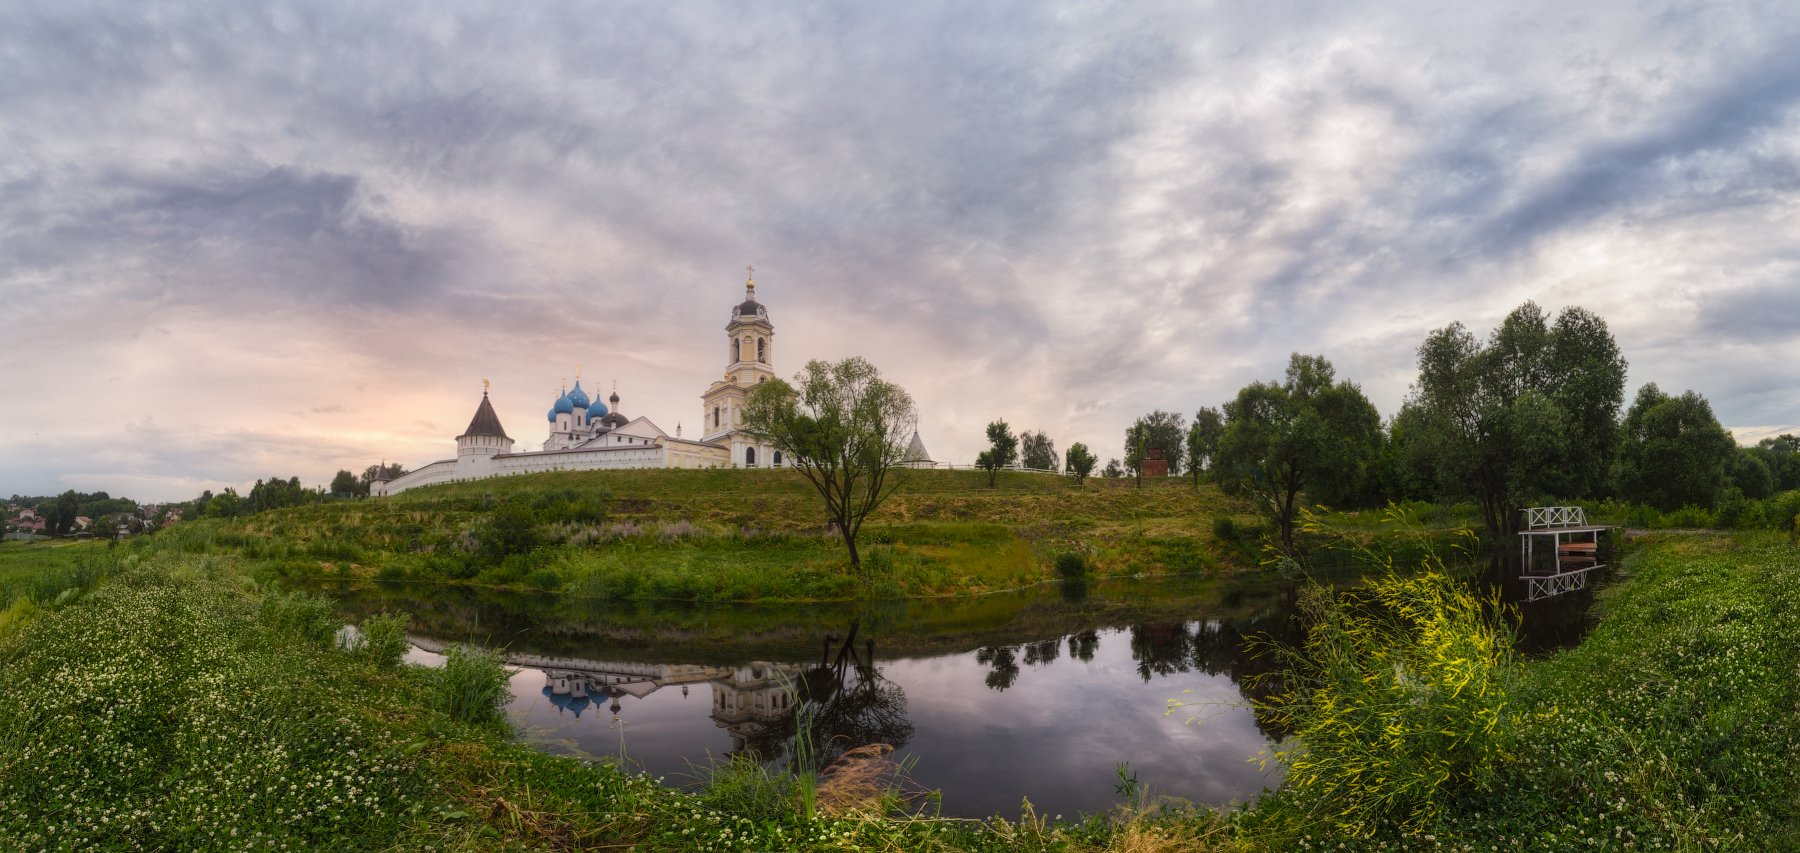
(384, 639)
(1070, 564)
(473, 686)
(1402, 701)
(390, 573)
(511, 530)
(1224, 529)
(1186, 556)
(312, 618)
(545, 579)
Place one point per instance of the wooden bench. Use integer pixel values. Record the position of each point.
(1576, 554)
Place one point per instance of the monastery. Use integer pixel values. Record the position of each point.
(587, 434)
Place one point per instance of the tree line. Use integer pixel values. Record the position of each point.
(277, 492)
(1532, 413)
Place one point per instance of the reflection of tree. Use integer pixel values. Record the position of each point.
(1043, 653)
(1006, 669)
(1083, 645)
(1161, 648)
(1219, 648)
(847, 707)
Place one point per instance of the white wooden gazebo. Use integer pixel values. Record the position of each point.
(1558, 548)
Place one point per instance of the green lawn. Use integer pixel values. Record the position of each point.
(750, 535)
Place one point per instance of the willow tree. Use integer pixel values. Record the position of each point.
(1203, 440)
(844, 428)
(1305, 436)
(1674, 453)
(1532, 411)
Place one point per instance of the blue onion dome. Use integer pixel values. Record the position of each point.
(553, 414)
(596, 411)
(564, 405)
(578, 396)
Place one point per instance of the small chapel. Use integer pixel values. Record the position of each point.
(589, 434)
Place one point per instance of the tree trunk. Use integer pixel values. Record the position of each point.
(850, 542)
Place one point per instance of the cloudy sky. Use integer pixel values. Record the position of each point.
(242, 240)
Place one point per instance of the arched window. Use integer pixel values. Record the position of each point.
(736, 353)
(761, 351)
(715, 417)
(778, 459)
(750, 457)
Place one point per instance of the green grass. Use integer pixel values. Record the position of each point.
(1674, 726)
(174, 702)
(748, 535)
(175, 708)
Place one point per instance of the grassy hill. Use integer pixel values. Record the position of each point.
(741, 534)
(745, 535)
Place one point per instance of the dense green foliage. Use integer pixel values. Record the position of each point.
(1674, 452)
(1079, 462)
(1037, 451)
(1671, 727)
(1533, 411)
(1306, 435)
(1161, 431)
(1203, 441)
(1400, 696)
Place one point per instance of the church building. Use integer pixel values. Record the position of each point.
(587, 434)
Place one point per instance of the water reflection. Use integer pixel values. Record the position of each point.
(1038, 694)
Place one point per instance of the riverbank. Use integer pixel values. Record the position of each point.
(732, 535)
(166, 707)
(177, 706)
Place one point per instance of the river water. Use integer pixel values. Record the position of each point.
(1039, 694)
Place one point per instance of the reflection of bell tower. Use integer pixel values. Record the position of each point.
(749, 360)
(748, 702)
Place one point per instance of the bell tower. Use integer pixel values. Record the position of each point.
(749, 360)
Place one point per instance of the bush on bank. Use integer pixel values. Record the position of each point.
(1674, 726)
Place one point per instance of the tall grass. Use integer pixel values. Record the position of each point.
(473, 686)
(301, 615)
(384, 641)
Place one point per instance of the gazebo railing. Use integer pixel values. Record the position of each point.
(1547, 517)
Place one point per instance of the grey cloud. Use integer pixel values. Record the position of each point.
(1698, 143)
(1080, 211)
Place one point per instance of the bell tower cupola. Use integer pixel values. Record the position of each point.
(749, 361)
(750, 340)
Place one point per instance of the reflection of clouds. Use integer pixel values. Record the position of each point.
(1074, 721)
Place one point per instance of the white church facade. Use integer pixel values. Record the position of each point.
(587, 434)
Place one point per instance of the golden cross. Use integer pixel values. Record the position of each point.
(752, 274)
(484, 386)
(577, 374)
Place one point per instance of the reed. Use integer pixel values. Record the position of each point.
(473, 686)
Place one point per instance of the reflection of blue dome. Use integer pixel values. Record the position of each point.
(574, 704)
(578, 397)
(596, 411)
(564, 406)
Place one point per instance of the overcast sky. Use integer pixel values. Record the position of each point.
(242, 240)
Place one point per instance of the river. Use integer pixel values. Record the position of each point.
(1041, 694)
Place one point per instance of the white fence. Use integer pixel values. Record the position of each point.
(946, 466)
(1546, 517)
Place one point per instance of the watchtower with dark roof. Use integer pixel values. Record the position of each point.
(485, 436)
